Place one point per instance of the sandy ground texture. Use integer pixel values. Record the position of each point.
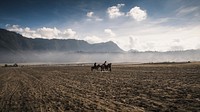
(145, 87)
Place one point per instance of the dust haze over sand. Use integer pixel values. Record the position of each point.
(81, 57)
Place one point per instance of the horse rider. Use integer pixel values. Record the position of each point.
(105, 63)
(95, 64)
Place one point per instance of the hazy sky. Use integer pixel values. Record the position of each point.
(156, 25)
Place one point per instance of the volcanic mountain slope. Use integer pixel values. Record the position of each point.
(13, 42)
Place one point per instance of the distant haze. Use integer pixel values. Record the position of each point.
(69, 57)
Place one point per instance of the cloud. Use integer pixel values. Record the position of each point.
(90, 14)
(48, 33)
(136, 44)
(69, 33)
(130, 35)
(137, 14)
(114, 11)
(93, 39)
(91, 17)
(161, 20)
(27, 32)
(133, 42)
(15, 28)
(110, 32)
(176, 40)
(187, 10)
(44, 32)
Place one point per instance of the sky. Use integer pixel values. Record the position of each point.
(143, 25)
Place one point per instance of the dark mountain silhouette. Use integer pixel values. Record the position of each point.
(13, 42)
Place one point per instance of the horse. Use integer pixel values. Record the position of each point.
(106, 67)
(95, 67)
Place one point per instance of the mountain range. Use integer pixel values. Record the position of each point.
(17, 48)
(14, 42)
